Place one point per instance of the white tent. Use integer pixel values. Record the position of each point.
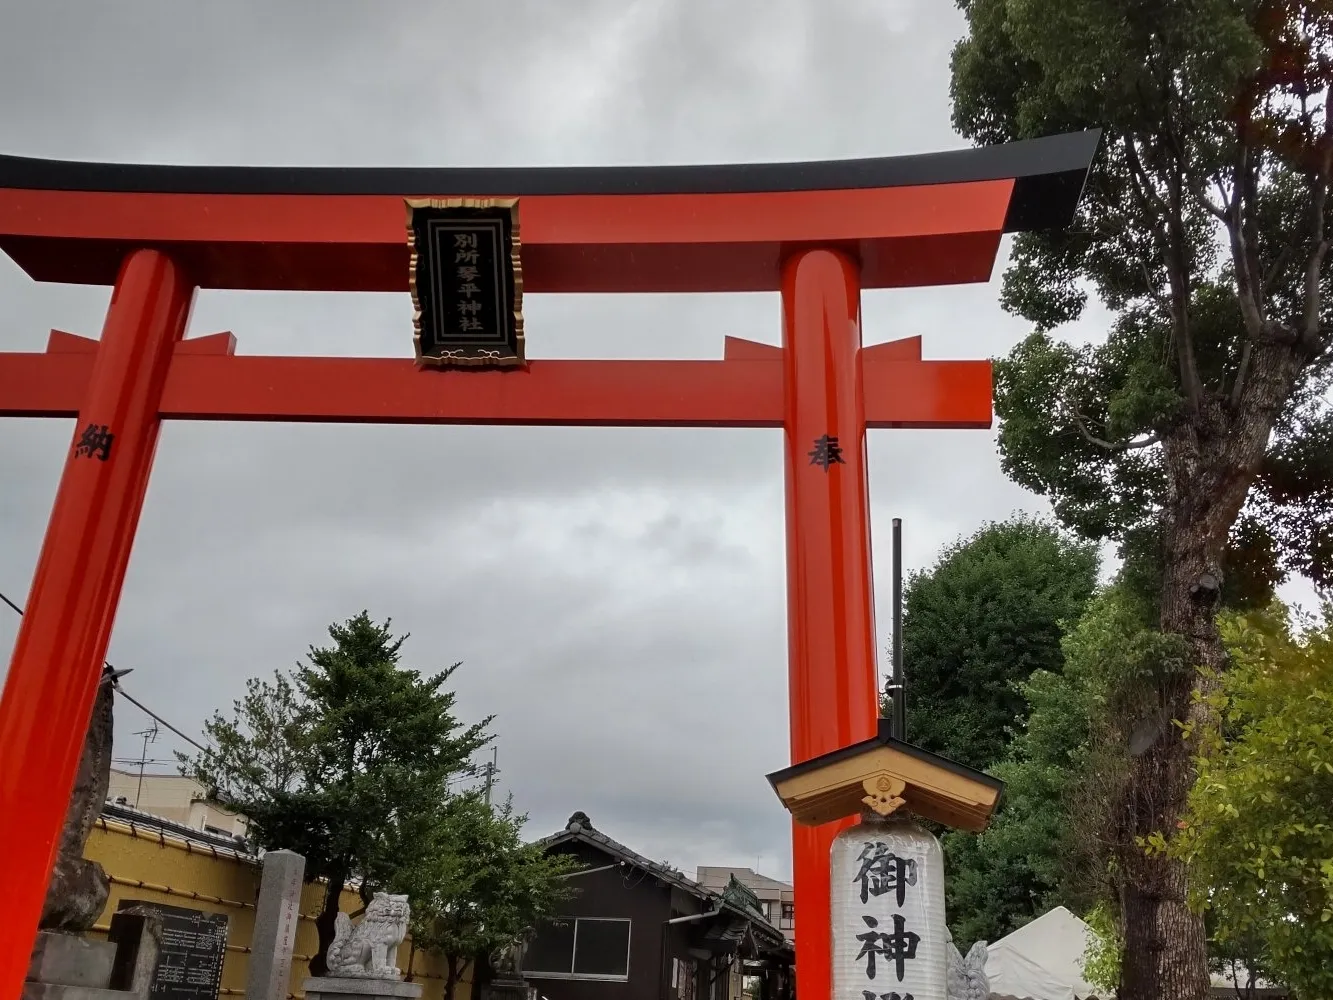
(1042, 960)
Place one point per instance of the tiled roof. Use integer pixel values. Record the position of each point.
(746, 876)
(736, 898)
(146, 820)
(580, 829)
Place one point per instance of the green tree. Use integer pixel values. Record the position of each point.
(348, 761)
(1101, 961)
(1258, 833)
(1046, 846)
(1204, 230)
(480, 889)
(978, 624)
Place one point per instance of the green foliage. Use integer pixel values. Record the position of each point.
(347, 760)
(1003, 878)
(479, 889)
(1196, 433)
(1101, 962)
(1210, 173)
(1065, 775)
(978, 624)
(1258, 834)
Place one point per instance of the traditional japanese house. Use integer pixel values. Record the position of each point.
(641, 930)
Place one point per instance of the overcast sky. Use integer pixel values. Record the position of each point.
(616, 596)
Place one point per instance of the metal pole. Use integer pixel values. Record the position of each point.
(899, 684)
(149, 736)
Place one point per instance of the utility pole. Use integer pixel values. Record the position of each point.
(149, 736)
(490, 772)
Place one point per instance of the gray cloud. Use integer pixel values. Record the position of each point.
(617, 596)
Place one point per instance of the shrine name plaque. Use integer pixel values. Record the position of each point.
(467, 282)
(189, 959)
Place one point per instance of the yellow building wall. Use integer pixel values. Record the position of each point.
(145, 864)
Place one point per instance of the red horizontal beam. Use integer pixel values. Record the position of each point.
(903, 236)
(728, 393)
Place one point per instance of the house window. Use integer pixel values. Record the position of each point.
(580, 948)
(788, 914)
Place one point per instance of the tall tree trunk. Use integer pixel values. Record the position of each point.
(327, 919)
(451, 974)
(1210, 462)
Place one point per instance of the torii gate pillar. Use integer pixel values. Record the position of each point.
(832, 686)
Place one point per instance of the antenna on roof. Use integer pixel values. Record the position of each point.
(149, 736)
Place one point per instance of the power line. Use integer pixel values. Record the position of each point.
(123, 693)
(11, 604)
(203, 749)
(153, 715)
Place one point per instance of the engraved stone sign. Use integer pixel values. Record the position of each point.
(190, 955)
(277, 916)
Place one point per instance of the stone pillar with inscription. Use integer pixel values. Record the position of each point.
(277, 916)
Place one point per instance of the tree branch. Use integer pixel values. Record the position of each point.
(1154, 292)
(1323, 177)
(1142, 181)
(1248, 294)
(1242, 369)
(1177, 261)
(1247, 215)
(1198, 188)
(1173, 245)
(1275, 271)
(1112, 446)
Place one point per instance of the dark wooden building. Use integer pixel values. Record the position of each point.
(640, 930)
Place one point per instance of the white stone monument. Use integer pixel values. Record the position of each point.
(362, 958)
(967, 976)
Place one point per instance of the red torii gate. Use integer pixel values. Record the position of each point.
(816, 232)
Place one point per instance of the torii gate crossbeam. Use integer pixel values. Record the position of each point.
(816, 232)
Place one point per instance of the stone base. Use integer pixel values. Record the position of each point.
(349, 988)
(69, 960)
(505, 989)
(54, 991)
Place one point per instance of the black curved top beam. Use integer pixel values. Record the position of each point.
(1049, 175)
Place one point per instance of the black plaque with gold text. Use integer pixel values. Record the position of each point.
(189, 960)
(467, 281)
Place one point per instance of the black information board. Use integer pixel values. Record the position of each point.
(189, 961)
(467, 282)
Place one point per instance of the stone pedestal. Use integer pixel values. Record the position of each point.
(505, 988)
(70, 960)
(69, 967)
(355, 988)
